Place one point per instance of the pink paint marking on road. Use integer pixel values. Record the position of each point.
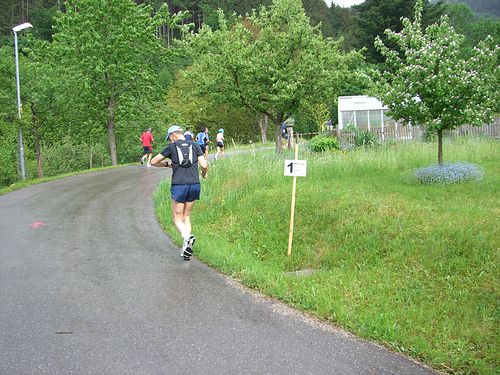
(37, 224)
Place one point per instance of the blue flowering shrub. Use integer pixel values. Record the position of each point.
(449, 173)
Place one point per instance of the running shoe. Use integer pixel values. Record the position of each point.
(187, 247)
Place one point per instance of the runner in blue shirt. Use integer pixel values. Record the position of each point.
(203, 140)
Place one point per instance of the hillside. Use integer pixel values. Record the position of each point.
(491, 7)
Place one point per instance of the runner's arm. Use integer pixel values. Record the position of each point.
(158, 161)
(204, 166)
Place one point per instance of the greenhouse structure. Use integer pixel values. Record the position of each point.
(363, 112)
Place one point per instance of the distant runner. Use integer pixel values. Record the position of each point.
(219, 141)
(203, 140)
(147, 146)
(188, 135)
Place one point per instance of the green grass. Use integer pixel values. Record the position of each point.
(412, 266)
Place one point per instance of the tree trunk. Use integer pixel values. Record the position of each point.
(111, 133)
(37, 142)
(290, 138)
(263, 122)
(278, 120)
(91, 158)
(39, 158)
(440, 146)
(279, 145)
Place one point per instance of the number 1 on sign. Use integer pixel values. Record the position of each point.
(295, 168)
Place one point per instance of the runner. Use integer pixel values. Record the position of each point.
(188, 135)
(203, 140)
(220, 143)
(147, 146)
(185, 157)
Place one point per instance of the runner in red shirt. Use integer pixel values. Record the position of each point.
(147, 145)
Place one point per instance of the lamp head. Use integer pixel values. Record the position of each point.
(21, 27)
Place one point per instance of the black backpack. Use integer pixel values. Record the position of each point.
(184, 153)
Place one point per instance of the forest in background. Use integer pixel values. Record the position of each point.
(63, 121)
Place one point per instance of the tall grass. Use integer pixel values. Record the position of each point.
(412, 266)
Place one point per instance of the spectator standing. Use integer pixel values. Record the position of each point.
(284, 133)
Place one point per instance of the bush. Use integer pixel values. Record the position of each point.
(364, 138)
(361, 138)
(8, 156)
(67, 156)
(449, 173)
(323, 142)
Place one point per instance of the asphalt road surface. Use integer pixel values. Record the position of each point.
(90, 284)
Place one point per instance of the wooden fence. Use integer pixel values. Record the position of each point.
(400, 133)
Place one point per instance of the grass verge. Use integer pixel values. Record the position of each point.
(411, 266)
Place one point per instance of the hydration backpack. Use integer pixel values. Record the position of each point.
(185, 153)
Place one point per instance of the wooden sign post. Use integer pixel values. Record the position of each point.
(294, 168)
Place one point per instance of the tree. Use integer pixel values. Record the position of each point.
(474, 27)
(188, 109)
(373, 17)
(431, 83)
(110, 47)
(8, 115)
(269, 63)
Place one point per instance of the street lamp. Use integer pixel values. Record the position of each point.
(16, 29)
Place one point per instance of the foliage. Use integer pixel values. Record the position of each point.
(373, 17)
(269, 63)
(110, 46)
(68, 156)
(362, 137)
(194, 111)
(431, 83)
(324, 142)
(474, 27)
(449, 173)
(8, 154)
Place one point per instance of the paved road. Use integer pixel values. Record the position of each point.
(98, 288)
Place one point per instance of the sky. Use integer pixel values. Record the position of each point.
(344, 3)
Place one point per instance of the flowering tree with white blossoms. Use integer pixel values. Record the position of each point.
(430, 82)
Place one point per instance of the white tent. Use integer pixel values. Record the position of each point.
(363, 112)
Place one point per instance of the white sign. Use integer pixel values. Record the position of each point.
(295, 168)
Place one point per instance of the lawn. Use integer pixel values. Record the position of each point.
(411, 266)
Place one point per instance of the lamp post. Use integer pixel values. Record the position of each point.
(16, 29)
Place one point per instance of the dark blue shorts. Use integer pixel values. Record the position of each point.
(185, 193)
(147, 149)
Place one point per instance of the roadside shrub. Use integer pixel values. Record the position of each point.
(364, 138)
(449, 173)
(8, 156)
(360, 138)
(324, 142)
(67, 156)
